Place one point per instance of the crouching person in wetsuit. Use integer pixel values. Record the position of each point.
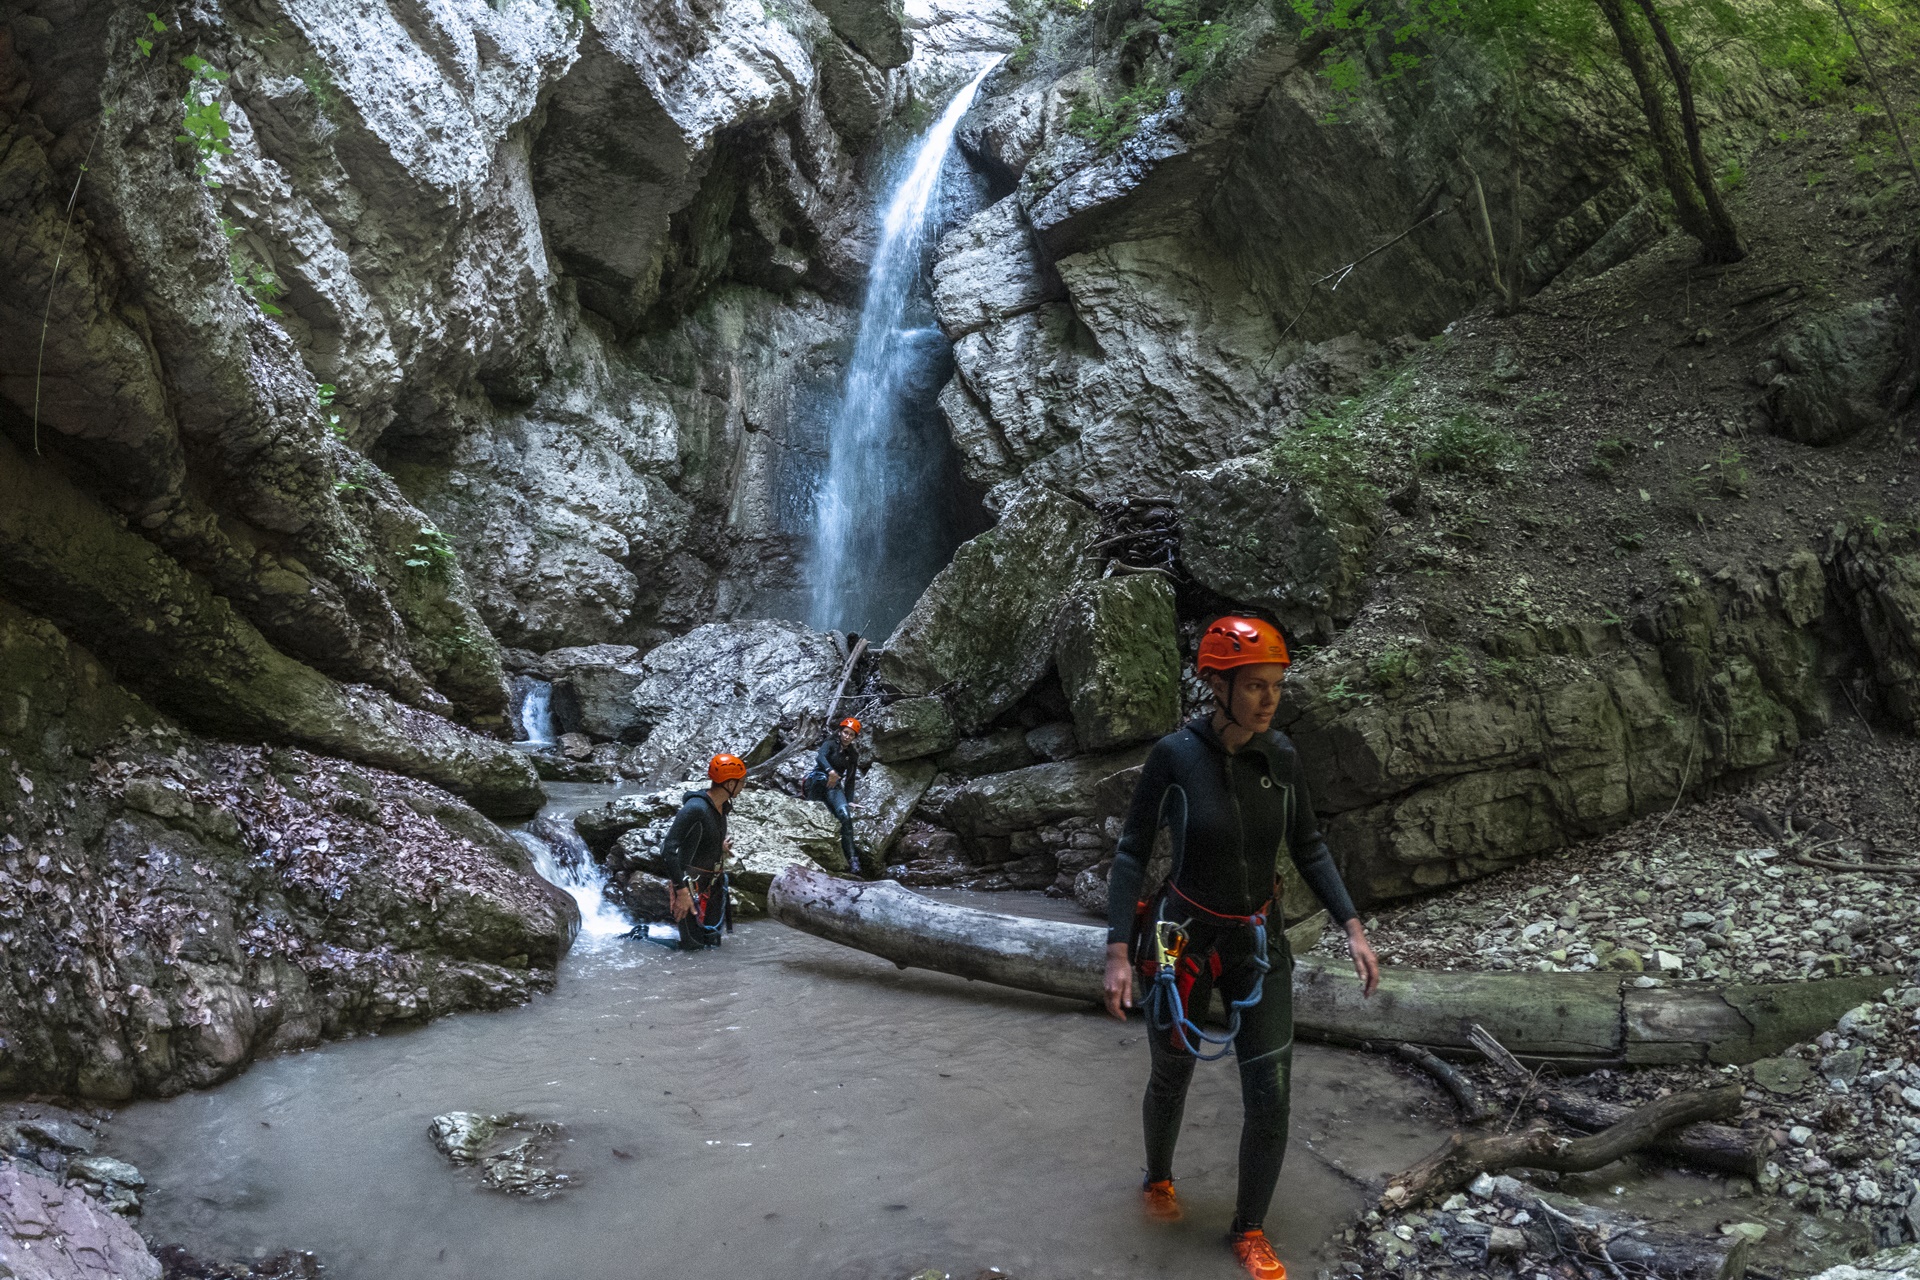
(695, 852)
(836, 766)
(1234, 797)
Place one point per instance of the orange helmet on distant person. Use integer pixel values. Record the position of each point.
(851, 722)
(1240, 642)
(725, 768)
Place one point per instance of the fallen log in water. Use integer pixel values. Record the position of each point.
(1577, 1020)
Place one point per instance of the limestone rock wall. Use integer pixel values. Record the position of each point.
(345, 341)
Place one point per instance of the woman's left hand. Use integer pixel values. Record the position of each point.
(1366, 965)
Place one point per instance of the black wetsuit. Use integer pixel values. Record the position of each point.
(695, 852)
(837, 757)
(1243, 809)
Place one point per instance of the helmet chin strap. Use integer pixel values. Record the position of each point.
(1226, 704)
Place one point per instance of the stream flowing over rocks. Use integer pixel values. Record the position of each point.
(414, 412)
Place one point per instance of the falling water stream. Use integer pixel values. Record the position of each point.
(878, 534)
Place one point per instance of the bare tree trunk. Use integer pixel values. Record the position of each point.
(1693, 216)
(1725, 246)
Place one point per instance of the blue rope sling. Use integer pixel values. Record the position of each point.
(1165, 1010)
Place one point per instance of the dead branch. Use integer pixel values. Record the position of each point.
(1472, 1109)
(1495, 1052)
(1464, 1158)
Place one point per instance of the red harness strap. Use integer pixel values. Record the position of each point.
(1258, 917)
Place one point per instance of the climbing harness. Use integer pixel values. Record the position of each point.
(1171, 972)
(1173, 983)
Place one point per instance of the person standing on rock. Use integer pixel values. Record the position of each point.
(696, 850)
(836, 766)
(1231, 790)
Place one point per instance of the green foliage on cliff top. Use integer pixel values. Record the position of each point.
(1375, 44)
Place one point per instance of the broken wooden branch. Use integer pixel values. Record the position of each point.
(1465, 1158)
(806, 733)
(1495, 1052)
(1472, 1109)
(1706, 1146)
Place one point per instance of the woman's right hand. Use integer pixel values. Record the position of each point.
(1119, 980)
(682, 902)
(833, 779)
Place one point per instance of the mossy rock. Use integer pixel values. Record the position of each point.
(1119, 660)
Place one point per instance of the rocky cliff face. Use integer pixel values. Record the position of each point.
(376, 336)
(1213, 281)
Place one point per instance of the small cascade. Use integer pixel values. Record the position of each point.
(879, 533)
(562, 859)
(536, 715)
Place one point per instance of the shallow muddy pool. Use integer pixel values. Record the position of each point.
(778, 1106)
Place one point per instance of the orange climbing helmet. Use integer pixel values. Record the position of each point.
(1240, 642)
(725, 768)
(851, 722)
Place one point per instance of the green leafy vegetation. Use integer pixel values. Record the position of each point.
(1609, 456)
(1463, 445)
(1326, 453)
(582, 10)
(258, 282)
(1199, 42)
(431, 555)
(1731, 477)
(320, 84)
(1108, 124)
(157, 27)
(1392, 670)
(203, 125)
(325, 395)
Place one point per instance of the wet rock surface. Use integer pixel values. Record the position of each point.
(513, 1153)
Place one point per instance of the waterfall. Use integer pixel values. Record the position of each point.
(536, 714)
(877, 528)
(573, 869)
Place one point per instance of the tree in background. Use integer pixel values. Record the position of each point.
(1696, 196)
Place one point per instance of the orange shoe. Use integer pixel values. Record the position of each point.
(1161, 1204)
(1257, 1256)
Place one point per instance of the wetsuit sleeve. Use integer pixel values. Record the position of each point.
(1136, 842)
(823, 759)
(682, 844)
(1311, 855)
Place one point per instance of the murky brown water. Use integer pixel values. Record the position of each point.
(786, 1107)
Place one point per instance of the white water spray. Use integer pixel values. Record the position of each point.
(875, 496)
(536, 715)
(574, 870)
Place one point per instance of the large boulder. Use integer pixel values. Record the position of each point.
(1117, 652)
(984, 624)
(1832, 373)
(853, 92)
(593, 689)
(885, 799)
(1876, 573)
(1001, 751)
(911, 728)
(1003, 803)
(989, 270)
(51, 1232)
(770, 830)
(1291, 539)
(728, 686)
(872, 27)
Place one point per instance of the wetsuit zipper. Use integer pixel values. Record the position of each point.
(1240, 828)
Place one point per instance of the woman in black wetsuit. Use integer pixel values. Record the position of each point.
(836, 768)
(1232, 789)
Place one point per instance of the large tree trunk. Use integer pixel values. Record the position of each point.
(1577, 1020)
